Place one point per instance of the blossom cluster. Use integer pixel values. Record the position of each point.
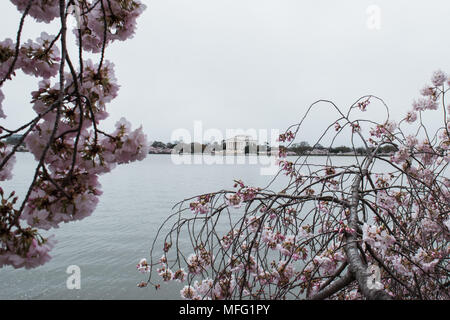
(143, 266)
(430, 96)
(202, 205)
(23, 247)
(39, 58)
(41, 10)
(287, 167)
(243, 194)
(287, 136)
(117, 22)
(363, 104)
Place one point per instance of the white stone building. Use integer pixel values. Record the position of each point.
(237, 144)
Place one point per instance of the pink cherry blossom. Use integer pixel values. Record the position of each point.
(38, 59)
(422, 104)
(7, 50)
(41, 10)
(438, 78)
(411, 117)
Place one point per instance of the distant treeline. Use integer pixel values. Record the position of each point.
(304, 148)
(301, 148)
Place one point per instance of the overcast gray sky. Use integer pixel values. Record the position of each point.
(259, 63)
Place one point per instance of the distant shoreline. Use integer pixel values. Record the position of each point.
(257, 155)
(273, 155)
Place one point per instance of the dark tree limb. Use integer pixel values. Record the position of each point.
(356, 264)
(334, 287)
